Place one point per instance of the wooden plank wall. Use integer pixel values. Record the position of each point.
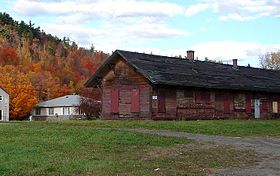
(125, 79)
(180, 103)
(180, 107)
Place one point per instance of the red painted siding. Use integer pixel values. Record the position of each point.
(264, 105)
(197, 97)
(226, 104)
(115, 101)
(135, 100)
(161, 101)
(248, 104)
(207, 97)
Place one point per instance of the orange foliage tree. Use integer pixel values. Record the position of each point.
(22, 93)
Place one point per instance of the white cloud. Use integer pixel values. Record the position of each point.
(236, 17)
(98, 8)
(108, 24)
(111, 35)
(245, 52)
(240, 10)
(195, 9)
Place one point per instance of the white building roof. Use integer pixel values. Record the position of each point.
(65, 101)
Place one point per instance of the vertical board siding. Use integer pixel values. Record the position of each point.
(226, 104)
(197, 97)
(161, 101)
(135, 100)
(207, 97)
(115, 100)
(248, 104)
(264, 105)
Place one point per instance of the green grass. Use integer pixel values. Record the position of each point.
(31, 148)
(211, 127)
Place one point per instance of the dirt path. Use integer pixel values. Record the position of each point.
(267, 146)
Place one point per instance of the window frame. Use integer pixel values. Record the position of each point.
(275, 107)
(49, 111)
(1, 98)
(67, 110)
(37, 111)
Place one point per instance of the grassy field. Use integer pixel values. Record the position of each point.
(211, 127)
(72, 148)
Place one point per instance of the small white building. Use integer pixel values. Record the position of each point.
(4, 105)
(60, 108)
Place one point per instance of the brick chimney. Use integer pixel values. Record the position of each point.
(190, 55)
(234, 63)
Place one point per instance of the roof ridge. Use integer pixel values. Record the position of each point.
(201, 61)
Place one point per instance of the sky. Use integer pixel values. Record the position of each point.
(220, 30)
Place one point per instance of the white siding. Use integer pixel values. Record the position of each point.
(4, 105)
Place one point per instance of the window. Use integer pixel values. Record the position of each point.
(275, 107)
(51, 111)
(205, 97)
(1, 98)
(239, 101)
(66, 110)
(38, 111)
(188, 93)
(202, 97)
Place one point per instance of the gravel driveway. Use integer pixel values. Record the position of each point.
(265, 146)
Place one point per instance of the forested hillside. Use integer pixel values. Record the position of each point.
(53, 66)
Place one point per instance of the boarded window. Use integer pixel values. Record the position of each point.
(226, 104)
(115, 101)
(135, 100)
(275, 107)
(197, 97)
(248, 104)
(239, 101)
(188, 93)
(161, 101)
(205, 97)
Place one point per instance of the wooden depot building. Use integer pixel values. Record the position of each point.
(137, 85)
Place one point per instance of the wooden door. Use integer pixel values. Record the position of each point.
(257, 108)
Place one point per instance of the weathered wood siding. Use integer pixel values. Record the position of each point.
(193, 103)
(124, 79)
(123, 87)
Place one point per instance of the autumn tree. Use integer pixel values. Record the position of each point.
(47, 86)
(90, 104)
(55, 66)
(270, 60)
(22, 93)
(8, 56)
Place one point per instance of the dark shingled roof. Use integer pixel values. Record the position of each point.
(163, 70)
